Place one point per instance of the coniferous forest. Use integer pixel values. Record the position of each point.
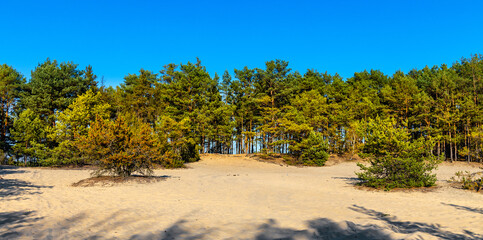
(62, 115)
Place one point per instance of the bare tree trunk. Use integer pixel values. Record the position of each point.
(450, 147)
(25, 157)
(439, 148)
(444, 152)
(455, 144)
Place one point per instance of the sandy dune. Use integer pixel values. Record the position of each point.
(233, 197)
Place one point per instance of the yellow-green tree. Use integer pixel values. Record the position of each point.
(28, 132)
(176, 145)
(73, 123)
(396, 160)
(119, 147)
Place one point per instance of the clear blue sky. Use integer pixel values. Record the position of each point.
(121, 37)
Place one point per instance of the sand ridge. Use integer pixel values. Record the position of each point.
(233, 197)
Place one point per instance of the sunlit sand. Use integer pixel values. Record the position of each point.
(233, 197)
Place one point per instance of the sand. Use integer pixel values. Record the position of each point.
(234, 197)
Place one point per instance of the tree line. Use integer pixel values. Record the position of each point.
(61, 115)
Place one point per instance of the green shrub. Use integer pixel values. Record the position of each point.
(189, 151)
(396, 161)
(469, 181)
(401, 172)
(172, 160)
(311, 151)
(120, 148)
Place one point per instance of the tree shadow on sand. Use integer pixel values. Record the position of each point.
(12, 222)
(23, 225)
(182, 229)
(322, 228)
(317, 229)
(349, 180)
(414, 227)
(178, 230)
(470, 209)
(13, 187)
(6, 169)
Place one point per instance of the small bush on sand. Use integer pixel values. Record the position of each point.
(471, 181)
(396, 161)
(311, 151)
(120, 147)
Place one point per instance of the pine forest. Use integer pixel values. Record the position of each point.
(63, 115)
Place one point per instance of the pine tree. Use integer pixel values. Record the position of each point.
(53, 87)
(120, 147)
(73, 123)
(176, 147)
(269, 84)
(138, 95)
(28, 132)
(10, 83)
(396, 160)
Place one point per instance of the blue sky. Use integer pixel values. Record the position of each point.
(121, 37)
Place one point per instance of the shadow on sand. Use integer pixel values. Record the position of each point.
(470, 209)
(14, 187)
(12, 222)
(21, 224)
(350, 180)
(414, 227)
(322, 228)
(7, 169)
(25, 224)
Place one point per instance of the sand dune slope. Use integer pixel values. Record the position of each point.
(233, 197)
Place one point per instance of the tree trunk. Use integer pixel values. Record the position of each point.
(25, 157)
(450, 147)
(439, 148)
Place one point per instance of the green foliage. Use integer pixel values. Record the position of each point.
(269, 109)
(390, 172)
(311, 151)
(11, 82)
(189, 152)
(53, 87)
(383, 137)
(138, 94)
(353, 138)
(400, 94)
(73, 123)
(396, 161)
(120, 147)
(28, 133)
(190, 96)
(312, 108)
(177, 148)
